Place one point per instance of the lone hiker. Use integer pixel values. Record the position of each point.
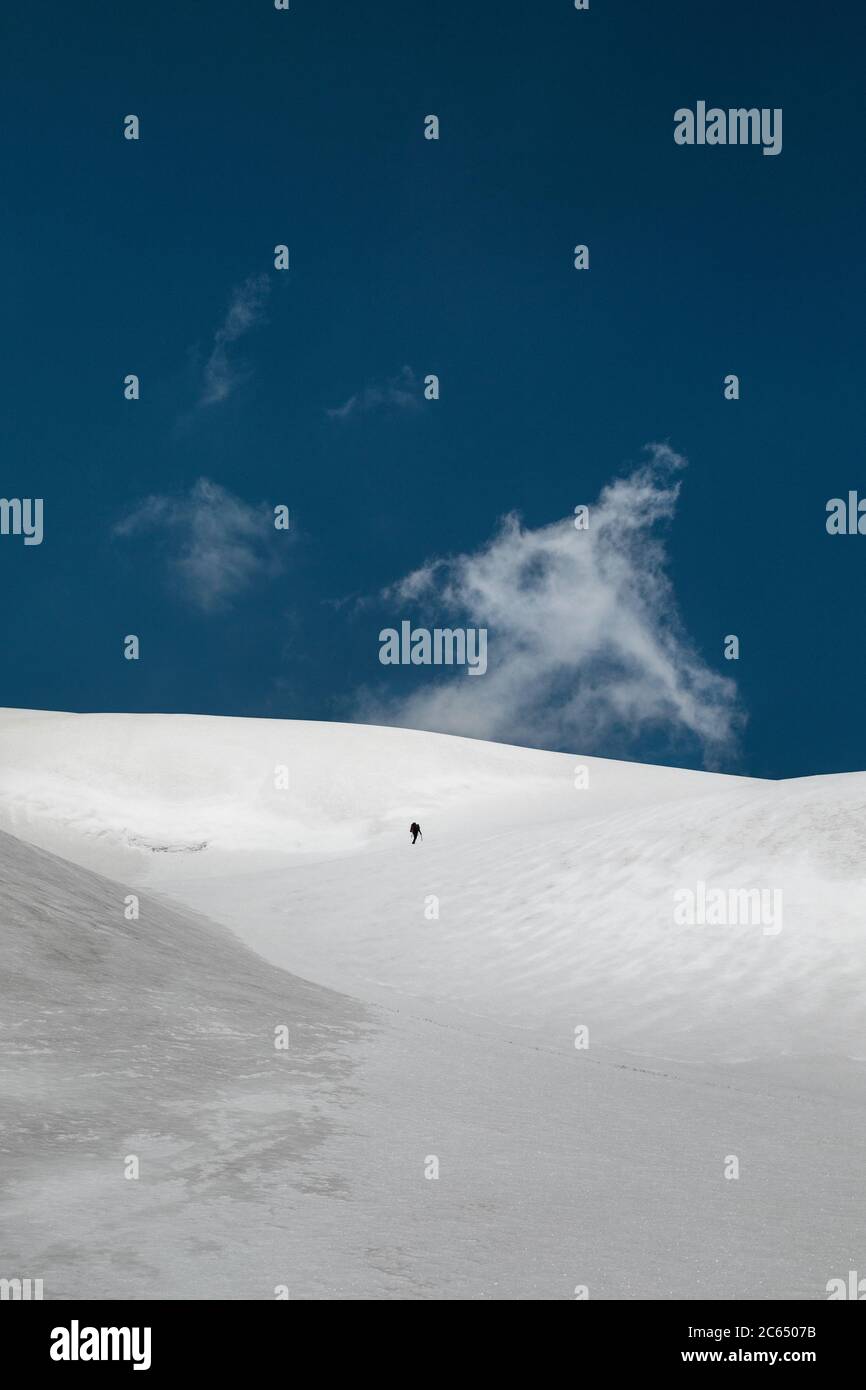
(415, 831)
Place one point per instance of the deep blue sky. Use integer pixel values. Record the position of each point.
(453, 257)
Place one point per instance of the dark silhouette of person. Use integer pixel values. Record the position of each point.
(415, 831)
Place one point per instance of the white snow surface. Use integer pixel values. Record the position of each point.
(278, 886)
(556, 904)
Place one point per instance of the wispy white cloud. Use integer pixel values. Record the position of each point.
(221, 374)
(400, 392)
(215, 544)
(585, 644)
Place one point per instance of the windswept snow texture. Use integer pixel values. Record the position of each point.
(412, 1036)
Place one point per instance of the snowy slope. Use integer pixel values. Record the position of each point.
(131, 790)
(556, 904)
(305, 1168)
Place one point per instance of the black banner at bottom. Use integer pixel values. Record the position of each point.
(163, 1338)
